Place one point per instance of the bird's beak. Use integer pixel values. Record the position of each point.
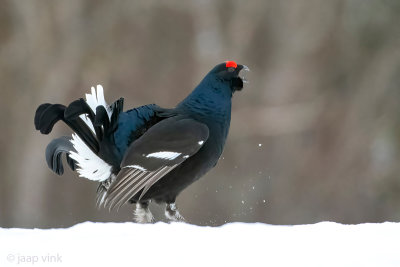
(239, 79)
(242, 68)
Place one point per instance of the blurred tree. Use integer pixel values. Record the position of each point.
(315, 135)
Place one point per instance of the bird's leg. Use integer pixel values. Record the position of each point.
(172, 213)
(142, 213)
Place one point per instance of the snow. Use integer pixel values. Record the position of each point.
(180, 244)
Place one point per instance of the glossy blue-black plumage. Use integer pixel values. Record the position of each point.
(131, 122)
(210, 103)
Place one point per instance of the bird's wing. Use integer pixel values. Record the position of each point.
(163, 147)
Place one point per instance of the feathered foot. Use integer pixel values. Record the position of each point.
(172, 213)
(142, 214)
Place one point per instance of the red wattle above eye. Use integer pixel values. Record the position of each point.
(231, 64)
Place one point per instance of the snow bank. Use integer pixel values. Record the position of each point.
(179, 244)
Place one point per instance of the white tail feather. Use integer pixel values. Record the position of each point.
(95, 99)
(89, 164)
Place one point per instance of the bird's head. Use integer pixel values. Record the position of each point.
(217, 87)
(229, 73)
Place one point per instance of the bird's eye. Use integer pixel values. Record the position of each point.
(231, 69)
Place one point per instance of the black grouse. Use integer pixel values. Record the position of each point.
(146, 153)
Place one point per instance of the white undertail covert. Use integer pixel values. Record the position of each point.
(91, 166)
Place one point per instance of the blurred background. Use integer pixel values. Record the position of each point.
(315, 136)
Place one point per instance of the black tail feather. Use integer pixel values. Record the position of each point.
(80, 107)
(117, 107)
(101, 143)
(108, 151)
(77, 108)
(47, 115)
(54, 151)
(39, 113)
(102, 119)
(71, 162)
(84, 132)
